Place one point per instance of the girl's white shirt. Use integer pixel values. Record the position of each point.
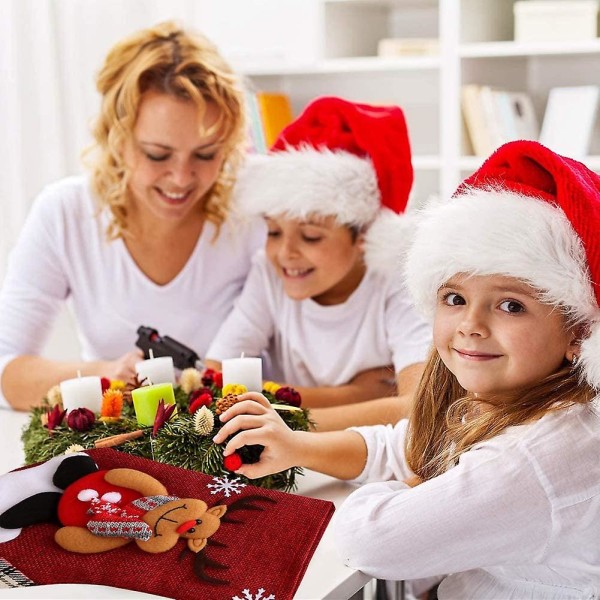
(518, 517)
(62, 254)
(314, 345)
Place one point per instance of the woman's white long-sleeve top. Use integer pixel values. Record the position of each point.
(518, 517)
(63, 254)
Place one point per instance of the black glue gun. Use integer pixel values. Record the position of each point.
(183, 357)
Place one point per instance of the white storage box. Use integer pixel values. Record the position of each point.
(555, 20)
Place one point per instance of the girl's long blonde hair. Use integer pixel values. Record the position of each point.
(444, 424)
(166, 59)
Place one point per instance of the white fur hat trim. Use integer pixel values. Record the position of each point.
(486, 232)
(489, 232)
(385, 239)
(302, 182)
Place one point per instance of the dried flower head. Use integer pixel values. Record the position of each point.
(204, 421)
(190, 380)
(234, 388)
(73, 448)
(271, 387)
(112, 403)
(117, 384)
(54, 396)
(288, 395)
(163, 414)
(198, 399)
(81, 419)
(222, 404)
(53, 418)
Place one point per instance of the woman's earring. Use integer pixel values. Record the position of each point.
(574, 361)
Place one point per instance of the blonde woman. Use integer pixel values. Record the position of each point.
(147, 237)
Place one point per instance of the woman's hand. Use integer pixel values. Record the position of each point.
(123, 368)
(254, 421)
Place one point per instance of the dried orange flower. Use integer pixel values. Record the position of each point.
(112, 403)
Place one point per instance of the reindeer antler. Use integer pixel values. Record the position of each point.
(245, 503)
(202, 562)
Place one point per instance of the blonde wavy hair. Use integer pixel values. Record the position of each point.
(443, 424)
(163, 58)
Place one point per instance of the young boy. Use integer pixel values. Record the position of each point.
(336, 326)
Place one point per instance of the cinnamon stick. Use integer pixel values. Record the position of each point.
(117, 440)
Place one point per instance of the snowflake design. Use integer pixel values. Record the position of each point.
(259, 595)
(227, 486)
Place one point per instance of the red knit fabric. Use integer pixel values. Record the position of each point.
(268, 549)
(531, 169)
(377, 132)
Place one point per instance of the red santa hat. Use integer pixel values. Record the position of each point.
(527, 213)
(338, 158)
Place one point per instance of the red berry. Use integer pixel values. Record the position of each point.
(232, 462)
(105, 383)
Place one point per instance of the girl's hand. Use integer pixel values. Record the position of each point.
(254, 421)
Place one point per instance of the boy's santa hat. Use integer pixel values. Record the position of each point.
(527, 213)
(338, 158)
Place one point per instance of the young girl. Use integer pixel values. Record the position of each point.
(496, 479)
(335, 176)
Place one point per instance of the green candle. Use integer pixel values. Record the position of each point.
(146, 399)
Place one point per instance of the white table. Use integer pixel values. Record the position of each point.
(326, 577)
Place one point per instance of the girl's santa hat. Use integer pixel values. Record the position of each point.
(338, 158)
(527, 213)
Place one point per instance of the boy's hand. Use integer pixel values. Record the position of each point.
(254, 421)
(378, 382)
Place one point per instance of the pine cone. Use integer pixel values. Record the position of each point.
(226, 402)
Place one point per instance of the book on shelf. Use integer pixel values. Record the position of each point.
(517, 115)
(390, 47)
(494, 117)
(269, 113)
(256, 134)
(475, 120)
(569, 119)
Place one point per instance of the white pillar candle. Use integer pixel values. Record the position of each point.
(82, 392)
(156, 370)
(245, 371)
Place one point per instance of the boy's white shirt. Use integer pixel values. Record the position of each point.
(62, 254)
(518, 517)
(313, 345)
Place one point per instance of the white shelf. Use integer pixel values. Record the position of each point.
(359, 64)
(428, 87)
(426, 162)
(513, 49)
(470, 163)
(387, 3)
